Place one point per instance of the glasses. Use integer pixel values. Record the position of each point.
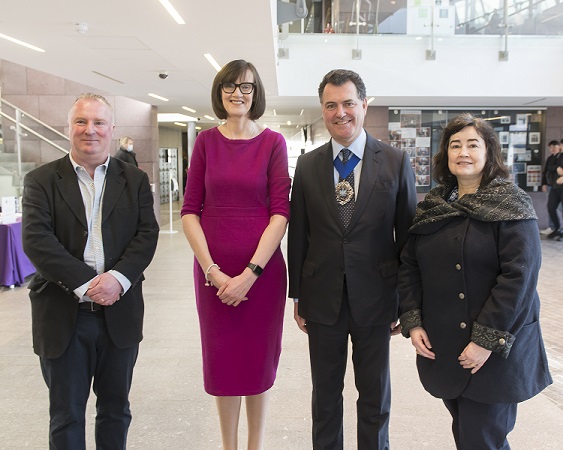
(244, 88)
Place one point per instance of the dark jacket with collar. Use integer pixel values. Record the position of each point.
(466, 280)
(54, 237)
(321, 253)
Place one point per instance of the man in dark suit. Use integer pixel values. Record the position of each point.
(352, 203)
(89, 229)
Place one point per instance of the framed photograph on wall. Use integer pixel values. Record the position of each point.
(503, 137)
(534, 137)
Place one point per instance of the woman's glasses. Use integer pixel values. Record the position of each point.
(245, 88)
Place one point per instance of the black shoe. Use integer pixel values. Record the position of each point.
(554, 234)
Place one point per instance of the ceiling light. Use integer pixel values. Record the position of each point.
(289, 122)
(180, 124)
(198, 128)
(172, 11)
(302, 112)
(371, 99)
(212, 61)
(22, 43)
(189, 109)
(158, 97)
(174, 117)
(274, 111)
(209, 117)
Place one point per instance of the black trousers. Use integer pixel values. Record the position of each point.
(554, 198)
(90, 355)
(481, 426)
(328, 349)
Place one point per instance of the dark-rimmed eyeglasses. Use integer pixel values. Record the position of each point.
(244, 88)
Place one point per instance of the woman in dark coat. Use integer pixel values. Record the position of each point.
(467, 287)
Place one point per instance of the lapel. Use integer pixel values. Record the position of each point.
(115, 183)
(371, 164)
(67, 184)
(325, 174)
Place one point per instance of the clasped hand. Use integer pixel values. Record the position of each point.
(104, 289)
(232, 291)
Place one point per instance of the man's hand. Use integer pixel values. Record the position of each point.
(104, 289)
(301, 323)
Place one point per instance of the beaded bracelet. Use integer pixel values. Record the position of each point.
(207, 280)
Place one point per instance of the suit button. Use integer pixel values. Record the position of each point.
(345, 241)
(461, 295)
(502, 341)
(463, 325)
(458, 266)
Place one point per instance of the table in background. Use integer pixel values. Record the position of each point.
(14, 264)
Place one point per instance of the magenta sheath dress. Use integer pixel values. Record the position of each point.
(235, 186)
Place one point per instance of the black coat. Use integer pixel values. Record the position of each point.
(129, 157)
(461, 271)
(55, 231)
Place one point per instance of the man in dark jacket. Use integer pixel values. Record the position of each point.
(90, 231)
(549, 183)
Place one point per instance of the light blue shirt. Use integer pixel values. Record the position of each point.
(92, 191)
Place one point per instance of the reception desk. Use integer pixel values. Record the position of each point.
(14, 264)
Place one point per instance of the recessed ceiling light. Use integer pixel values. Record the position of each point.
(371, 99)
(274, 111)
(302, 112)
(180, 124)
(158, 97)
(189, 109)
(212, 61)
(289, 122)
(198, 128)
(209, 117)
(172, 11)
(22, 43)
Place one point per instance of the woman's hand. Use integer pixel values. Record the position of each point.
(420, 340)
(234, 290)
(473, 357)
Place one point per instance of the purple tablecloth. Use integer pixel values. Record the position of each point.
(14, 264)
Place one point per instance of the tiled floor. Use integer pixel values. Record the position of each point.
(171, 411)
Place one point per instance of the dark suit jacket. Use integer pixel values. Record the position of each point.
(54, 237)
(321, 252)
(129, 157)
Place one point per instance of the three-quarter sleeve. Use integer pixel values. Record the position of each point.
(279, 183)
(194, 194)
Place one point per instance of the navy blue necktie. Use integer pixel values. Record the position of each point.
(347, 208)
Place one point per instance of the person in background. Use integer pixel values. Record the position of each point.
(549, 175)
(352, 203)
(555, 195)
(467, 287)
(90, 231)
(235, 213)
(125, 152)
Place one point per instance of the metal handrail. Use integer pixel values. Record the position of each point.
(34, 118)
(57, 146)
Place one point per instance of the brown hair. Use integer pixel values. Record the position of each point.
(230, 73)
(494, 167)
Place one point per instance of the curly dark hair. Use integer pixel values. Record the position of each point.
(230, 74)
(340, 76)
(494, 167)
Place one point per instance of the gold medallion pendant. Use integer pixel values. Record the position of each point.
(344, 192)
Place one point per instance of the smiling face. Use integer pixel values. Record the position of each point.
(343, 112)
(467, 155)
(90, 132)
(238, 104)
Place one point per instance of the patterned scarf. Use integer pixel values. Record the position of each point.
(500, 200)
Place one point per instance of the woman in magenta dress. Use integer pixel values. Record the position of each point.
(235, 214)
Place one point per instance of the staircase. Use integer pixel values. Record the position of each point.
(24, 135)
(9, 174)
